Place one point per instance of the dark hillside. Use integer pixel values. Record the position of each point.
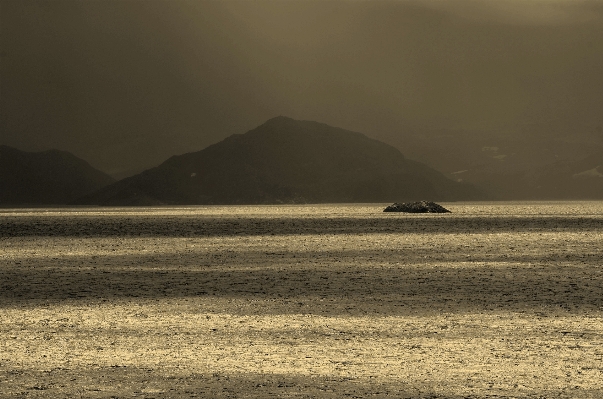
(288, 161)
(531, 167)
(46, 178)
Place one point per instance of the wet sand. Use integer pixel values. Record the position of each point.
(493, 300)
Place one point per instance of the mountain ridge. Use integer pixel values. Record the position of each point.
(516, 168)
(51, 177)
(286, 161)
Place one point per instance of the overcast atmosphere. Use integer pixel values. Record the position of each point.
(126, 84)
(301, 198)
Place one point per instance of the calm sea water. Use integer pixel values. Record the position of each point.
(216, 221)
(465, 209)
(503, 294)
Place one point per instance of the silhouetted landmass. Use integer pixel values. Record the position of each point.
(560, 180)
(46, 178)
(286, 161)
(573, 179)
(546, 167)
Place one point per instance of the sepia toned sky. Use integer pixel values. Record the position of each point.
(125, 84)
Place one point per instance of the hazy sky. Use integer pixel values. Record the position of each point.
(125, 84)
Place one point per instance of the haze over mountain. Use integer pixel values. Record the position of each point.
(515, 168)
(126, 84)
(286, 161)
(46, 178)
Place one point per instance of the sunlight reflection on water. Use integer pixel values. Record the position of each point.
(502, 208)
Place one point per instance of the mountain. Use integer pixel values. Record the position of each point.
(581, 179)
(286, 161)
(46, 178)
(528, 167)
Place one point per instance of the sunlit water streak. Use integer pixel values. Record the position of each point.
(503, 208)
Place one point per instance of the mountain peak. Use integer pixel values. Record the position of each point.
(279, 119)
(288, 161)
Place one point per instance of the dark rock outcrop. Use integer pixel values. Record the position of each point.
(417, 207)
(287, 161)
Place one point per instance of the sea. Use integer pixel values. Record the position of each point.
(494, 299)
